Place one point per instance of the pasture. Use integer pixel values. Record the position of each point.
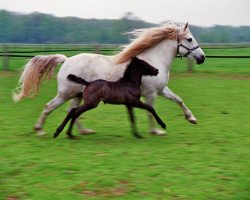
(205, 161)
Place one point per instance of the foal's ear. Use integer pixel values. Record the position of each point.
(186, 25)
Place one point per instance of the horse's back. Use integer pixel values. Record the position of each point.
(89, 67)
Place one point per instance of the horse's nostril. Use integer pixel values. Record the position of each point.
(200, 60)
(203, 58)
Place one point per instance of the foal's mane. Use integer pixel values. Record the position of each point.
(130, 66)
(146, 38)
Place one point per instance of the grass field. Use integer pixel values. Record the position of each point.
(205, 161)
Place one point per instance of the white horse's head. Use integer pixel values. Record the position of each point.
(187, 45)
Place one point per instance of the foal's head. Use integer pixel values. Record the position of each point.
(143, 67)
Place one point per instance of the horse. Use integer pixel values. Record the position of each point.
(125, 91)
(158, 46)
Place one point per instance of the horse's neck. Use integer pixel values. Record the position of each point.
(161, 55)
(132, 77)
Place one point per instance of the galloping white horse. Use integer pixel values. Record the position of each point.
(157, 46)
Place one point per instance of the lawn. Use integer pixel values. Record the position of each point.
(205, 161)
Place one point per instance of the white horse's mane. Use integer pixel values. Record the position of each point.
(143, 39)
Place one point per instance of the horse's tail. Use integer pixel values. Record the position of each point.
(37, 69)
(77, 79)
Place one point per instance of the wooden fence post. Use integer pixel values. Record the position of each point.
(97, 49)
(5, 57)
(189, 65)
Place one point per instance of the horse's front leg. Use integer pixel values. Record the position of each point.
(152, 126)
(132, 120)
(149, 108)
(166, 92)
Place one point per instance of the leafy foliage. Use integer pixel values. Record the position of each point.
(44, 28)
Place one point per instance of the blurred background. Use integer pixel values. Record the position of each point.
(43, 27)
(205, 161)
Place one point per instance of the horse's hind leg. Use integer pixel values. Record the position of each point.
(50, 106)
(75, 103)
(166, 92)
(132, 120)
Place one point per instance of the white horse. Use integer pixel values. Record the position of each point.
(157, 46)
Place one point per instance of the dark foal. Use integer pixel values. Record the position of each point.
(125, 91)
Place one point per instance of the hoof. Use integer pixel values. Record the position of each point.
(87, 131)
(56, 134)
(163, 126)
(138, 136)
(191, 119)
(158, 132)
(40, 133)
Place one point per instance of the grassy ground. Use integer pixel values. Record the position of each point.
(205, 161)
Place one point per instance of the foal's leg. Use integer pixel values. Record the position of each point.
(65, 121)
(149, 108)
(50, 106)
(81, 109)
(76, 103)
(132, 120)
(152, 126)
(166, 92)
(74, 114)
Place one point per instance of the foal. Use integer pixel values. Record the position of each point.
(125, 91)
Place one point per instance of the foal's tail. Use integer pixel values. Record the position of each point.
(37, 69)
(77, 79)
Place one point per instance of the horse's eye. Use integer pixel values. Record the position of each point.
(189, 39)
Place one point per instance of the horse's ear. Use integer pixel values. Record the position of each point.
(186, 25)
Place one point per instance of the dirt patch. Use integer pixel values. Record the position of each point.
(120, 189)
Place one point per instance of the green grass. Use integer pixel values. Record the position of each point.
(205, 161)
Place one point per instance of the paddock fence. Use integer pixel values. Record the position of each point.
(10, 51)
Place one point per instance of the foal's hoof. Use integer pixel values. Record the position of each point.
(138, 136)
(158, 132)
(56, 134)
(87, 131)
(163, 126)
(72, 137)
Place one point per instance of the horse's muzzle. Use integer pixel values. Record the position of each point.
(156, 71)
(200, 60)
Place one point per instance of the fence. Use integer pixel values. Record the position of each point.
(21, 51)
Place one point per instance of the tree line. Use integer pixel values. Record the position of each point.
(44, 28)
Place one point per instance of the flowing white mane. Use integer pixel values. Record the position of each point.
(146, 38)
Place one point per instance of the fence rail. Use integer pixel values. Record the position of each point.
(6, 50)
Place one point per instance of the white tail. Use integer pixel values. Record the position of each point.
(36, 70)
